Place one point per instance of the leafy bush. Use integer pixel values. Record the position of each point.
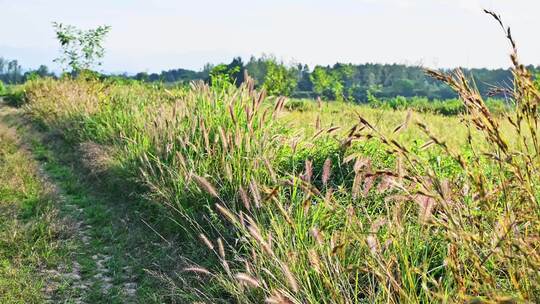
(2, 88)
(15, 95)
(441, 107)
(301, 105)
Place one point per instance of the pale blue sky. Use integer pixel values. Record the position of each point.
(151, 35)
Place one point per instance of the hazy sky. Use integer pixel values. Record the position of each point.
(151, 35)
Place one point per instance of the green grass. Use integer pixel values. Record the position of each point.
(345, 115)
(31, 234)
(114, 228)
(291, 209)
(86, 220)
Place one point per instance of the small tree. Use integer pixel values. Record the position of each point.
(326, 84)
(81, 50)
(221, 76)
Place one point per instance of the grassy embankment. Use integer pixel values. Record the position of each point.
(71, 230)
(298, 211)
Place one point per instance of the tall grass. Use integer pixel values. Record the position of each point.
(408, 234)
(338, 214)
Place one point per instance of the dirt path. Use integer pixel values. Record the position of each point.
(68, 282)
(111, 251)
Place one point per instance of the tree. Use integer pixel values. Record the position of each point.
(403, 87)
(236, 71)
(14, 72)
(81, 50)
(43, 71)
(256, 68)
(279, 80)
(142, 76)
(326, 84)
(304, 82)
(222, 77)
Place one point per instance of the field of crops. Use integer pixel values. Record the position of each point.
(298, 201)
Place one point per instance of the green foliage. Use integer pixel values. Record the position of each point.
(326, 84)
(171, 76)
(257, 69)
(537, 80)
(223, 77)
(226, 75)
(31, 232)
(441, 107)
(10, 71)
(15, 95)
(301, 105)
(371, 95)
(2, 88)
(81, 50)
(279, 79)
(32, 76)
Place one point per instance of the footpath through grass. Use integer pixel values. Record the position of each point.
(69, 235)
(33, 237)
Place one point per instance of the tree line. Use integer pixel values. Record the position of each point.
(346, 82)
(11, 72)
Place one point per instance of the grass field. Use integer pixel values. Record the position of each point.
(300, 202)
(68, 235)
(117, 192)
(210, 187)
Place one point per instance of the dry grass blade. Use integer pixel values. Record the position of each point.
(290, 277)
(327, 171)
(221, 248)
(256, 234)
(427, 144)
(308, 171)
(317, 235)
(426, 205)
(198, 270)
(278, 298)
(332, 129)
(205, 185)
(244, 198)
(247, 280)
(255, 193)
(404, 125)
(206, 241)
(227, 213)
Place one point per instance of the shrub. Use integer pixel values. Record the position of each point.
(15, 95)
(448, 107)
(300, 105)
